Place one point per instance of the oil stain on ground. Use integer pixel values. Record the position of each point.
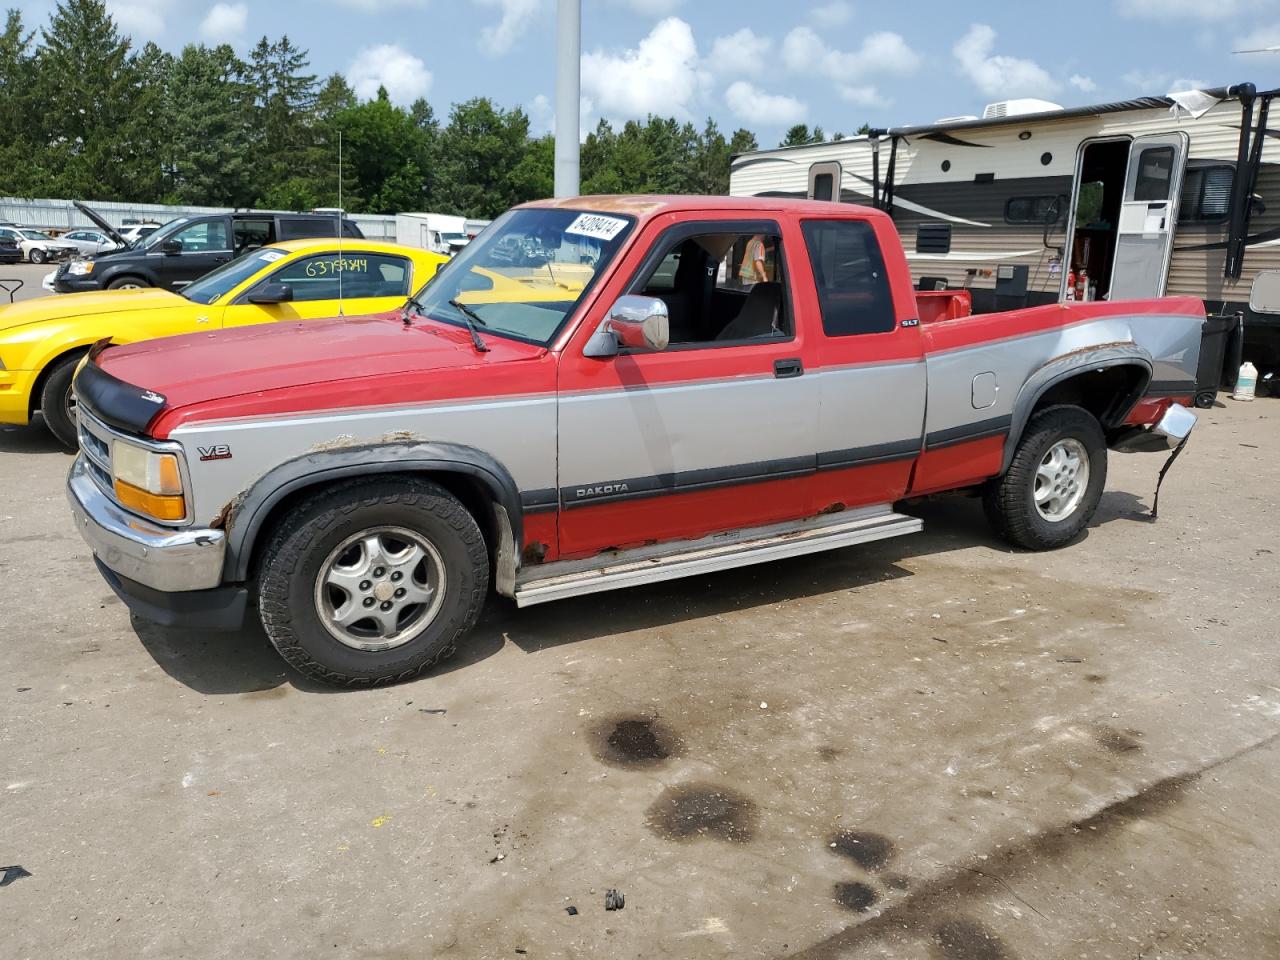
(692, 810)
(635, 741)
(855, 896)
(962, 939)
(871, 851)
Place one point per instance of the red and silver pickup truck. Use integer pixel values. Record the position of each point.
(597, 393)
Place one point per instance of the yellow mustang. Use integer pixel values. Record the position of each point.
(43, 340)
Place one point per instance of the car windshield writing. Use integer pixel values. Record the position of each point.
(527, 272)
(213, 285)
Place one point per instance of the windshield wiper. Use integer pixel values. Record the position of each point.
(472, 319)
(416, 305)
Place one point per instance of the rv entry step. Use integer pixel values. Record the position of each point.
(722, 551)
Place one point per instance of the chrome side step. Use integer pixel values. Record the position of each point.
(723, 551)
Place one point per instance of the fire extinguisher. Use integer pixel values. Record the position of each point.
(1071, 284)
(1082, 284)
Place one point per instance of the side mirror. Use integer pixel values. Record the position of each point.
(171, 247)
(637, 323)
(272, 293)
(1264, 296)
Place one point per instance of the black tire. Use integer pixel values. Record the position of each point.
(1009, 500)
(288, 599)
(127, 283)
(57, 401)
(1204, 400)
(36, 255)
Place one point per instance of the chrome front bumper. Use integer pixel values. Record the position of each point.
(162, 558)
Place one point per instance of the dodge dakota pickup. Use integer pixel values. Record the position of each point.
(597, 393)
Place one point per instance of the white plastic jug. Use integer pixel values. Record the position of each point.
(1246, 382)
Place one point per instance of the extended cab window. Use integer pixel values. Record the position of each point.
(252, 234)
(853, 290)
(360, 275)
(720, 287)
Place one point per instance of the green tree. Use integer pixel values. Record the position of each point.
(800, 134)
(381, 148)
(480, 150)
(22, 153)
(210, 120)
(284, 98)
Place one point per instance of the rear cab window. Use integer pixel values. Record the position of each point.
(849, 273)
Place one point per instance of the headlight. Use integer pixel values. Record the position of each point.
(80, 268)
(147, 482)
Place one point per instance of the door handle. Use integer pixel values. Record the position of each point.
(791, 367)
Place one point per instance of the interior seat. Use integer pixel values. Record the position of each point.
(758, 316)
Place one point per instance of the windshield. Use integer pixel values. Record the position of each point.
(36, 235)
(527, 272)
(158, 233)
(228, 276)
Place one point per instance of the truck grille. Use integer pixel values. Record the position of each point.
(95, 444)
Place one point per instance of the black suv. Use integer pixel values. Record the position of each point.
(187, 248)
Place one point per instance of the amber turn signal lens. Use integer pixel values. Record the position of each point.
(152, 504)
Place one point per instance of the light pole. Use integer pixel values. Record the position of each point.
(568, 98)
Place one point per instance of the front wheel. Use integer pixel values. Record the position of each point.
(1054, 482)
(374, 582)
(36, 255)
(58, 401)
(126, 283)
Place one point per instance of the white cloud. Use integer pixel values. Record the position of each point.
(225, 22)
(376, 5)
(742, 52)
(652, 8)
(833, 14)
(497, 39)
(998, 75)
(1189, 9)
(748, 102)
(660, 75)
(1151, 82)
(389, 65)
(803, 51)
(1082, 83)
(140, 18)
(863, 96)
(1259, 39)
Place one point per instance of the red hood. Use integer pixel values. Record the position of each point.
(310, 364)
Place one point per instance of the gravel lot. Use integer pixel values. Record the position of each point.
(932, 747)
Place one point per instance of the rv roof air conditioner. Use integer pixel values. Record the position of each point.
(1018, 108)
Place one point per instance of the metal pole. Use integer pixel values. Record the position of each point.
(568, 95)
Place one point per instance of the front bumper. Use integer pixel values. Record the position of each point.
(170, 576)
(65, 283)
(15, 395)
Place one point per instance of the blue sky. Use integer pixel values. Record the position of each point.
(752, 63)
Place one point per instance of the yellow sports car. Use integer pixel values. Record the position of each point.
(42, 340)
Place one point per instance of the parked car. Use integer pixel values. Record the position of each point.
(36, 246)
(774, 394)
(90, 241)
(10, 249)
(42, 340)
(185, 249)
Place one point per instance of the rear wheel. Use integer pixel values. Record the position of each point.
(58, 401)
(374, 582)
(36, 255)
(1054, 482)
(126, 283)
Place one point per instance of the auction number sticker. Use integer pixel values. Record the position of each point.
(597, 226)
(271, 256)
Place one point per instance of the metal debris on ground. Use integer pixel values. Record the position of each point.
(437, 712)
(613, 900)
(10, 874)
(1071, 660)
(571, 910)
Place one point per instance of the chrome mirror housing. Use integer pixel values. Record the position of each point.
(636, 323)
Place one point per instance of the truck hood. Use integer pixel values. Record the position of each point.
(199, 368)
(71, 305)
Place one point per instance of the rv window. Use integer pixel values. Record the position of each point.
(1034, 209)
(853, 290)
(1155, 170)
(823, 183)
(1206, 194)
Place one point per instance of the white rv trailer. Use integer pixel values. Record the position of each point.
(1147, 197)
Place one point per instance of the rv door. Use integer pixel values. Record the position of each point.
(1148, 216)
(824, 181)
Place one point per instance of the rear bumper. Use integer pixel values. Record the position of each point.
(1174, 426)
(169, 576)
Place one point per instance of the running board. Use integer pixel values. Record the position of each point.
(722, 551)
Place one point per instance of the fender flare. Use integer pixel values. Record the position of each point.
(244, 517)
(1066, 367)
(131, 269)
